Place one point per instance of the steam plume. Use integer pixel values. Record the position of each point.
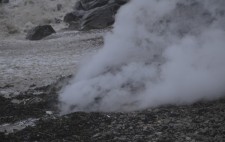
(159, 52)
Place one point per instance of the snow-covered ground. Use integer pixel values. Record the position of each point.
(25, 63)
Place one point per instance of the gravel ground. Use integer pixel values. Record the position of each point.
(32, 73)
(203, 121)
(25, 63)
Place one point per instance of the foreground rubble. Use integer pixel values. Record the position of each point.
(202, 121)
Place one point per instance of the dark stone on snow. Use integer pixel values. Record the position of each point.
(99, 18)
(74, 19)
(93, 14)
(122, 2)
(57, 20)
(78, 6)
(91, 4)
(74, 26)
(40, 32)
(59, 7)
(73, 16)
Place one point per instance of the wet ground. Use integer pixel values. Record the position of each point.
(32, 73)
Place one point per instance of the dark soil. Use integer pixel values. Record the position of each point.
(203, 121)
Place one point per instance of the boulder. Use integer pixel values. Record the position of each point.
(121, 2)
(91, 4)
(74, 19)
(99, 18)
(73, 16)
(59, 7)
(78, 6)
(40, 32)
(93, 14)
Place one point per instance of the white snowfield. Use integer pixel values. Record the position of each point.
(25, 63)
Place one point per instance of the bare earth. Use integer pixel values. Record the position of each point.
(26, 63)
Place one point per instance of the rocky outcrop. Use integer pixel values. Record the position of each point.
(40, 32)
(91, 4)
(93, 14)
(100, 17)
(74, 19)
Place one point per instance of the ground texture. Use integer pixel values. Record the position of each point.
(32, 73)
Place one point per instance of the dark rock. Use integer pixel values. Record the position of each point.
(57, 20)
(59, 7)
(91, 4)
(73, 16)
(70, 17)
(99, 17)
(74, 19)
(40, 32)
(93, 14)
(74, 26)
(84, 3)
(78, 6)
(120, 2)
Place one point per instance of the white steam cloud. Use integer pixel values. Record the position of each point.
(159, 52)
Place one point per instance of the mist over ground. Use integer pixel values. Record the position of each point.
(159, 52)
